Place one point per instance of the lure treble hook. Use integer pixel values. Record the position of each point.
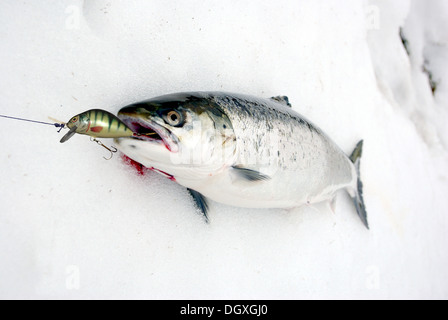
(112, 149)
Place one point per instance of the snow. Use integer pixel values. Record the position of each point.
(73, 225)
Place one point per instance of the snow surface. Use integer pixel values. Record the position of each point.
(73, 225)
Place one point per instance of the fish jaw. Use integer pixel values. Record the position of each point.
(152, 144)
(148, 130)
(148, 153)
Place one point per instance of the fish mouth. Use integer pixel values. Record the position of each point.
(150, 131)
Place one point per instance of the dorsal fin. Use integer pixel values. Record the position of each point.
(282, 99)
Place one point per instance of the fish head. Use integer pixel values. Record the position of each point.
(178, 133)
(80, 121)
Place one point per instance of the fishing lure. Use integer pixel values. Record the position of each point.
(95, 123)
(98, 124)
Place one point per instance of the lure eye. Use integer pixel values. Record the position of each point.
(174, 118)
(74, 119)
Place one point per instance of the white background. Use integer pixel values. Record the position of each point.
(73, 225)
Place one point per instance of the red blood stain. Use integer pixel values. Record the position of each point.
(142, 170)
(167, 146)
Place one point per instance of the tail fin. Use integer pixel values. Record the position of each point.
(358, 199)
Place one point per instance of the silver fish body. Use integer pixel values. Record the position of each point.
(240, 150)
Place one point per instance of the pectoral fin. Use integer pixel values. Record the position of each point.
(249, 174)
(200, 201)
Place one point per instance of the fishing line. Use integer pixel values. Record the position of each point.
(97, 125)
(57, 125)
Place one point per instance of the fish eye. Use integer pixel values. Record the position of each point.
(74, 119)
(174, 118)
